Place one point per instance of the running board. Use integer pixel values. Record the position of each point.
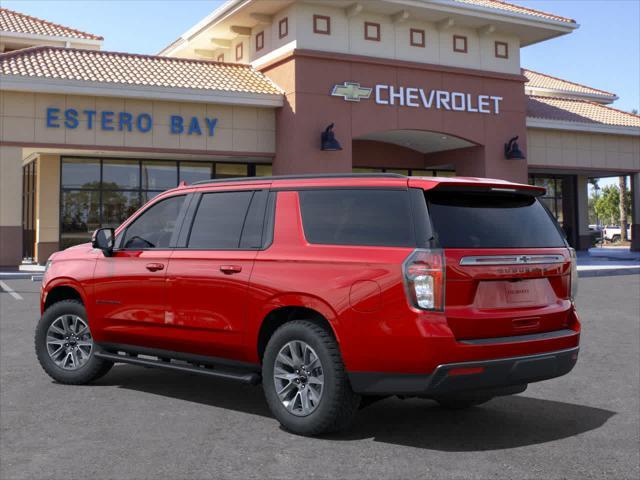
(251, 378)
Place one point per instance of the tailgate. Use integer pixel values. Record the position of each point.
(490, 293)
(508, 268)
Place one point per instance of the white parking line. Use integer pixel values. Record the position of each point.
(10, 291)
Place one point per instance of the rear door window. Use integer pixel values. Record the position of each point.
(368, 217)
(219, 219)
(491, 220)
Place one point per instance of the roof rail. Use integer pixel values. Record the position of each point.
(301, 177)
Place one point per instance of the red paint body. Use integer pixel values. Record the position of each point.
(213, 303)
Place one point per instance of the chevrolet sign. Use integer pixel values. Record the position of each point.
(416, 97)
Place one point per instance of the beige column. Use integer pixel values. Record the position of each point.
(10, 206)
(582, 204)
(635, 212)
(47, 207)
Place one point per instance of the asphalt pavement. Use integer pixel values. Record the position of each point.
(138, 423)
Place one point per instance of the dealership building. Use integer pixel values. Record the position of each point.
(418, 87)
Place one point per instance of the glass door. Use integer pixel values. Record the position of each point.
(29, 212)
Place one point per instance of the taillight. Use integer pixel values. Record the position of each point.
(424, 279)
(574, 274)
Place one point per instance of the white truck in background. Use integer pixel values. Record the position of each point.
(612, 233)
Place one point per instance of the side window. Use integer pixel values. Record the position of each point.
(155, 227)
(219, 220)
(357, 217)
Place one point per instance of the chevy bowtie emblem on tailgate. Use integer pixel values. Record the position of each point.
(351, 91)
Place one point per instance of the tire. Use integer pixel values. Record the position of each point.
(337, 404)
(461, 402)
(84, 366)
(615, 238)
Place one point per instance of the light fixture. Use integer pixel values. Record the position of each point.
(512, 150)
(328, 142)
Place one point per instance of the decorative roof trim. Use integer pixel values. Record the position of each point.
(568, 94)
(145, 92)
(84, 35)
(534, 12)
(50, 38)
(597, 90)
(545, 123)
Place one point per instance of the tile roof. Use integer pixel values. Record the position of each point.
(11, 21)
(134, 70)
(580, 111)
(511, 8)
(541, 80)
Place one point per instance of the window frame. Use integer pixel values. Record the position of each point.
(316, 28)
(239, 51)
(378, 29)
(283, 28)
(422, 34)
(466, 44)
(498, 44)
(259, 41)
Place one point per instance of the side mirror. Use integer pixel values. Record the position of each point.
(103, 239)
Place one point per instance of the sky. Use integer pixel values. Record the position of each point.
(603, 53)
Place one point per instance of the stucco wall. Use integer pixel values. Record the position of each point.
(347, 36)
(565, 149)
(23, 119)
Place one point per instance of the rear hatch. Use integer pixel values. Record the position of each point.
(508, 268)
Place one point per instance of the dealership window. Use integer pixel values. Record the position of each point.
(553, 196)
(104, 192)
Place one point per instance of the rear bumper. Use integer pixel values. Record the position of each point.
(465, 377)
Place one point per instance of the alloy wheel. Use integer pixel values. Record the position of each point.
(298, 378)
(69, 342)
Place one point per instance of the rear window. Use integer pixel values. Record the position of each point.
(481, 220)
(357, 217)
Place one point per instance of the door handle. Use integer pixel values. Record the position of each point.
(230, 269)
(154, 267)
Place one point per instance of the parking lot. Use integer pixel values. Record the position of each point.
(137, 423)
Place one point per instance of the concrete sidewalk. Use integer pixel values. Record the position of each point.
(608, 261)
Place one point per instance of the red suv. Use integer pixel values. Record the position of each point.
(331, 290)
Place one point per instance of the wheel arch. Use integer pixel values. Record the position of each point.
(63, 291)
(282, 313)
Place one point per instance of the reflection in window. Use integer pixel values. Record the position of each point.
(123, 174)
(80, 173)
(118, 206)
(155, 226)
(552, 198)
(79, 216)
(264, 170)
(105, 192)
(191, 172)
(159, 175)
(231, 170)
